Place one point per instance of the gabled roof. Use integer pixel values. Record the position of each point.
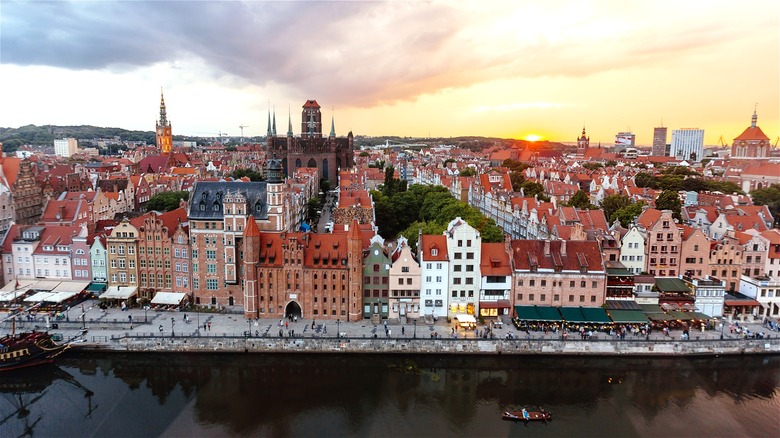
(429, 242)
(752, 133)
(495, 260)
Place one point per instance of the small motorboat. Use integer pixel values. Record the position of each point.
(533, 414)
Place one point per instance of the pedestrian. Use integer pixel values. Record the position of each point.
(209, 323)
(286, 324)
(403, 330)
(161, 328)
(204, 326)
(312, 324)
(389, 333)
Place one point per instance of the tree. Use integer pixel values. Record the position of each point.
(517, 180)
(668, 200)
(628, 213)
(592, 166)
(515, 166)
(166, 201)
(313, 207)
(253, 175)
(363, 154)
(580, 200)
(612, 203)
(469, 171)
(532, 188)
(644, 179)
(769, 196)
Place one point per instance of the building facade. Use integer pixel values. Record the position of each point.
(163, 132)
(376, 281)
(404, 286)
(434, 275)
(66, 147)
(687, 144)
(464, 245)
(659, 141)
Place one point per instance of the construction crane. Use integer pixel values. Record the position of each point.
(242, 132)
(722, 142)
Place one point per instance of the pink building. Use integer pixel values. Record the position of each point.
(664, 239)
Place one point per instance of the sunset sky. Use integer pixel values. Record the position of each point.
(408, 68)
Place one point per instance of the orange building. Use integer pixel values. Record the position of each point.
(164, 134)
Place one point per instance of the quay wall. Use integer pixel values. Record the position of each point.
(234, 344)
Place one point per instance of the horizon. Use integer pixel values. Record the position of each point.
(498, 69)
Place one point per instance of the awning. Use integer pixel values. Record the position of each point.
(681, 316)
(622, 305)
(46, 285)
(58, 297)
(39, 297)
(96, 287)
(573, 315)
(18, 285)
(119, 292)
(168, 298)
(466, 318)
(737, 303)
(658, 317)
(627, 316)
(596, 314)
(500, 304)
(651, 308)
(526, 313)
(12, 295)
(698, 316)
(71, 286)
(547, 313)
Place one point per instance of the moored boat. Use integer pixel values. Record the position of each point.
(527, 415)
(28, 349)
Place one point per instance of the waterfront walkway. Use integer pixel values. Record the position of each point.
(104, 325)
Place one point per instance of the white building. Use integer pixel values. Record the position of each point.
(687, 144)
(632, 250)
(765, 290)
(709, 295)
(434, 275)
(66, 147)
(464, 246)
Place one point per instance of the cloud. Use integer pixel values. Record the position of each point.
(358, 53)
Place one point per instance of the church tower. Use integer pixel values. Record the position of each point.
(164, 135)
(355, 275)
(311, 120)
(251, 247)
(275, 195)
(583, 143)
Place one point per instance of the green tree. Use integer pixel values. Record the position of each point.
(628, 213)
(517, 180)
(363, 154)
(644, 179)
(166, 201)
(313, 207)
(668, 200)
(533, 188)
(580, 200)
(469, 171)
(592, 166)
(612, 203)
(515, 166)
(769, 196)
(253, 175)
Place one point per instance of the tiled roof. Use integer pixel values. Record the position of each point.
(208, 195)
(579, 255)
(430, 242)
(495, 260)
(752, 133)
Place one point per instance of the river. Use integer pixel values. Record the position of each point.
(134, 395)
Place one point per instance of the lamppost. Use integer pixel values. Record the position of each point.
(338, 328)
(249, 332)
(146, 309)
(721, 329)
(198, 316)
(67, 314)
(173, 322)
(415, 329)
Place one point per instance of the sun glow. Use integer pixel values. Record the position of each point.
(533, 137)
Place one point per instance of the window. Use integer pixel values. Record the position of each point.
(470, 256)
(404, 269)
(544, 283)
(530, 297)
(457, 268)
(211, 284)
(460, 243)
(434, 252)
(532, 283)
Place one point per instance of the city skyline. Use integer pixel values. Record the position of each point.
(437, 69)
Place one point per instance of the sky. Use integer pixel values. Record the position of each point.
(511, 69)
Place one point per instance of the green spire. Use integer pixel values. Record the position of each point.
(269, 133)
(332, 127)
(289, 123)
(274, 125)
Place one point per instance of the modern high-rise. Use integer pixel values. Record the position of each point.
(659, 141)
(687, 144)
(66, 147)
(624, 140)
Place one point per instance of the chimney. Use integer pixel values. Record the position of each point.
(547, 247)
(62, 212)
(563, 247)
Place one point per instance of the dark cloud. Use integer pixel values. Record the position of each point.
(344, 53)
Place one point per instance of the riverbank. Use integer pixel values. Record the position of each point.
(234, 344)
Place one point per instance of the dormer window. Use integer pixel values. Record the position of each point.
(202, 206)
(434, 252)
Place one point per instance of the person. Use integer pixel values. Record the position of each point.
(525, 414)
(209, 324)
(161, 328)
(403, 330)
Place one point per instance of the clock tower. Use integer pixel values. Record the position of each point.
(163, 133)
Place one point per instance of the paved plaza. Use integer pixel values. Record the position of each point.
(115, 322)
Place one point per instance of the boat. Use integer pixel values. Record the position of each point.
(26, 349)
(533, 414)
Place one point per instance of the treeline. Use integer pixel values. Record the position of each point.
(430, 209)
(682, 178)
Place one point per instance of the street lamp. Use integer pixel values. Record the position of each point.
(721, 329)
(146, 309)
(173, 322)
(67, 314)
(249, 332)
(338, 328)
(415, 329)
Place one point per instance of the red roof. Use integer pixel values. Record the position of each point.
(752, 133)
(251, 229)
(311, 103)
(579, 255)
(429, 242)
(495, 260)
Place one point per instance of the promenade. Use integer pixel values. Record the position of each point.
(107, 327)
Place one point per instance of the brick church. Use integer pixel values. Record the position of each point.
(311, 149)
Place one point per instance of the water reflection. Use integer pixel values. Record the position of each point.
(347, 395)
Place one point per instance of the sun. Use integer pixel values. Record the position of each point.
(533, 137)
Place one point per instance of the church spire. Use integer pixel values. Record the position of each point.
(163, 114)
(289, 123)
(269, 132)
(274, 123)
(332, 126)
(754, 119)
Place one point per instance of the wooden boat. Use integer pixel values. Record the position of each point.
(532, 415)
(31, 348)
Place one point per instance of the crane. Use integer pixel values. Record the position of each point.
(242, 132)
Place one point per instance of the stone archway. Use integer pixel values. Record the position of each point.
(293, 309)
(298, 163)
(312, 163)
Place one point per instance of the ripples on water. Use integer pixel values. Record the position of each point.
(349, 395)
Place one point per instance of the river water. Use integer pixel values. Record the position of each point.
(140, 395)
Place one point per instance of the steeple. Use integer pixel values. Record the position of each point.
(274, 123)
(289, 123)
(754, 119)
(332, 127)
(269, 133)
(163, 114)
